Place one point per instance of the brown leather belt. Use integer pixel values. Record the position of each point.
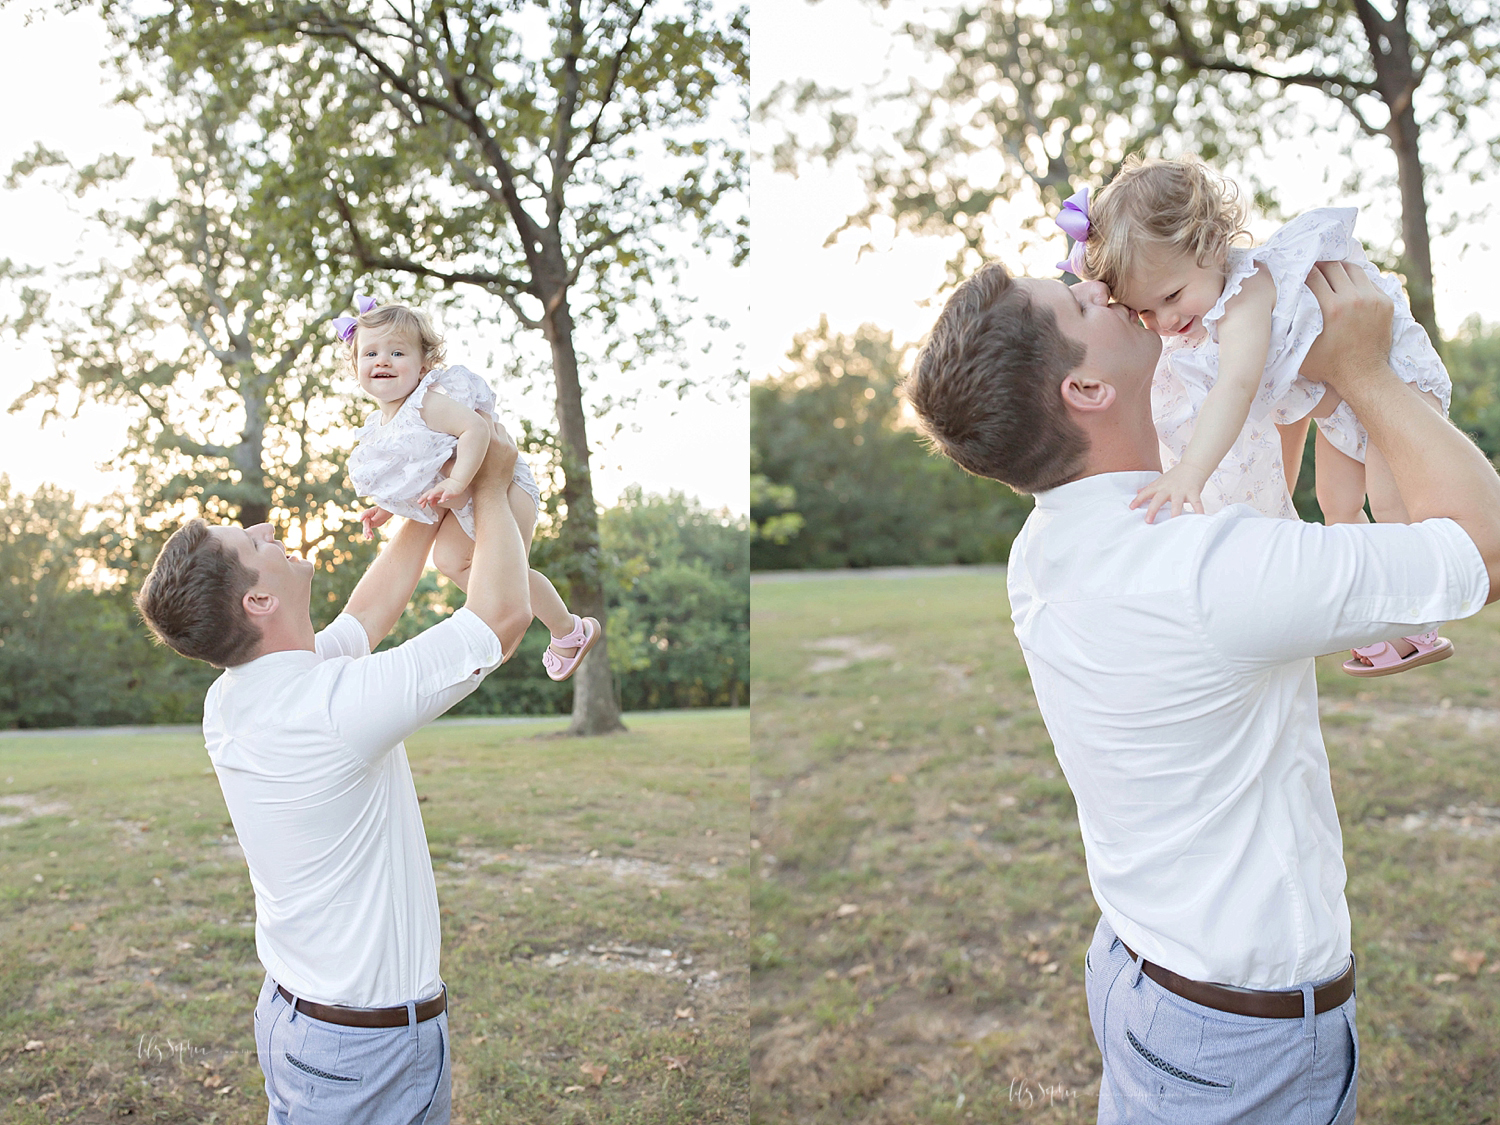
(1278, 1005)
(367, 1017)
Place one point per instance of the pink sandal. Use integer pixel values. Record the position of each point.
(1382, 659)
(583, 637)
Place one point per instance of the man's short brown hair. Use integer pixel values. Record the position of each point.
(193, 598)
(986, 386)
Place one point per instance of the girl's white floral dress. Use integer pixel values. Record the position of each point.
(394, 462)
(1252, 473)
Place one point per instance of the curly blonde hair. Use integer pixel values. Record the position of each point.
(410, 322)
(1179, 206)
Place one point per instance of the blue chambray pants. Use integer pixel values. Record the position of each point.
(1168, 1060)
(321, 1073)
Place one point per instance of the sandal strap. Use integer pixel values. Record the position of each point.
(575, 638)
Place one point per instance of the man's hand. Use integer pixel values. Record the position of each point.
(1356, 338)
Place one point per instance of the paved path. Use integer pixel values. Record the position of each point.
(760, 577)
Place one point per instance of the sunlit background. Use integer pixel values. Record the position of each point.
(58, 90)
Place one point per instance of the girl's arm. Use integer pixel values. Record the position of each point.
(471, 428)
(1244, 341)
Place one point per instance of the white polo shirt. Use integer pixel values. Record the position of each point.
(308, 749)
(1173, 666)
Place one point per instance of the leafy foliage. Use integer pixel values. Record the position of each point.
(828, 439)
(73, 652)
(1032, 100)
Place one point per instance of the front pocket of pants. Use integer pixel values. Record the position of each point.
(318, 1072)
(1180, 1078)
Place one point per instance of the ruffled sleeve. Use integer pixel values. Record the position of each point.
(463, 387)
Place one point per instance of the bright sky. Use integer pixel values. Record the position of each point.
(58, 93)
(848, 44)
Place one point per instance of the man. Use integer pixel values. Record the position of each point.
(1173, 665)
(305, 733)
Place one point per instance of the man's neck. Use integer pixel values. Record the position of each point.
(287, 636)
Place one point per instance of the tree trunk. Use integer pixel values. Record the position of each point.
(595, 708)
(1390, 50)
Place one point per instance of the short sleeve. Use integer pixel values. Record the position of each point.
(381, 699)
(344, 636)
(1270, 591)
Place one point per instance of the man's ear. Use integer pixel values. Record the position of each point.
(259, 605)
(1079, 392)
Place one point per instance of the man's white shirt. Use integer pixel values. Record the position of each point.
(1173, 666)
(309, 753)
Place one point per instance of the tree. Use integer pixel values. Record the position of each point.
(827, 437)
(1419, 72)
(1041, 99)
(212, 335)
(71, 653)
(542, 151)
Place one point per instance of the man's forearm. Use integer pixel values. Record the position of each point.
(1438, 471)
(381, 596)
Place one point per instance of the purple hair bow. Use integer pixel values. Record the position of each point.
(1074, 220)
(345, 325)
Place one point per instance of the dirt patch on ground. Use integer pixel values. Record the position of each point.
(530, 865)
(847, 650)
(17, 808)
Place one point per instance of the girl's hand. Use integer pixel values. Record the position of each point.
(447, 493)
(1180, 485)
(373, 518)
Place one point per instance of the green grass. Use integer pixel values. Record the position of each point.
(922, 910)
(132, 960)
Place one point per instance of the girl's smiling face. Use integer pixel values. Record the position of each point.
(389, 366)
(1171, 292)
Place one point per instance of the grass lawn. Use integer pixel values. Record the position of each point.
(922, 910)
(593, 897)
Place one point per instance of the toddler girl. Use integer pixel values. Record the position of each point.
(1227, 397)
(421, 449)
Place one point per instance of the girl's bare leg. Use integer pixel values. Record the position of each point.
(1293, 442)
(1341, 484)
(453, 552)
(546, 602)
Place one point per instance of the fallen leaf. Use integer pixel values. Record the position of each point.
(684, 1013)
(617, 1080)
(1470, 959)
(831, 974)
(860, 971)
(1445, 978)
(595, 1071)
(898, 779)
(213, 1081)
(78, 927)
(846, 909)
(1038, 957)
(184, 946)
(478, 1039)
(226, 1090)
(33, 1045)
(1050, 967)
(677, 1062)
(573, 1089)
(713, 860)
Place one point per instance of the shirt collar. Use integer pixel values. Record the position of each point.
(287, 658)
(1099, 486)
